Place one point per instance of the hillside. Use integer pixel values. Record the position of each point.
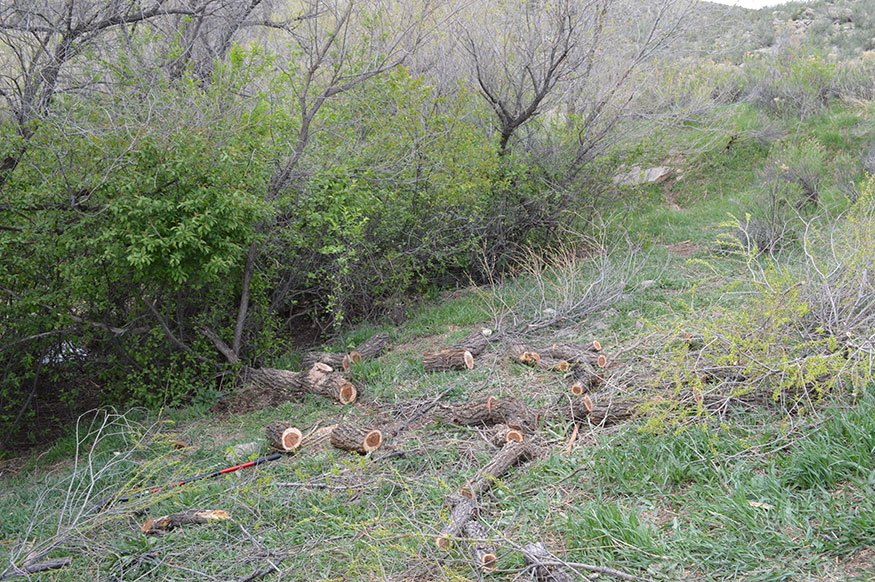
(676, 277)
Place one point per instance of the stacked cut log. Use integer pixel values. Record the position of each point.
(372, 347)
(459, 356)
(282, 436)
(353, 438)
(491, 410)
(321, 379)
(585, 362)
(164, 524)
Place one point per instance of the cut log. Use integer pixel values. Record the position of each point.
(321, 379)
(462, 510)
(502, 434)
(476, 342)
(544, 565)
(584, 410)
(489, 411)
(373, 347)
(283, 436)
(336, 360)
(484, 554)
(511, 454)
(164, 524)
(579, 354)
(360, 440)
(447, 359)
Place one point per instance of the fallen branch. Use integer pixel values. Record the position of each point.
(502, 434)
(166, 523)
(547, 568)
(462, 510)
(476, 342)
(544, 567)
(512, 453)
(372, 347)
(28, 568)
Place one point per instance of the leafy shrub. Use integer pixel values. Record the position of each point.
(797, 82)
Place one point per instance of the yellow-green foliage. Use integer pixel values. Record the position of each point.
(801, 330)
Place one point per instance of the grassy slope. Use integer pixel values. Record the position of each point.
(759, 496)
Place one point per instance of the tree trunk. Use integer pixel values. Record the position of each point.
(510, 454)
(321, 379)
(283, 436)
(489, 411)
(35, 567)
(543, 564)
(162, 525)
(447, 359)
(359, 440)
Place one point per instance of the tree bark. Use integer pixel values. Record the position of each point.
(371, 348)
(164, 524)
(462, 510)
(337, 361)
(511, 454)
(283, 436)
(538, 557)
(489, 411)
(321, 379)
(359, 440)
(483, 552)
(447, 359)
(476, 342)
(529, 356)
(503, 434)
(579, 354)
